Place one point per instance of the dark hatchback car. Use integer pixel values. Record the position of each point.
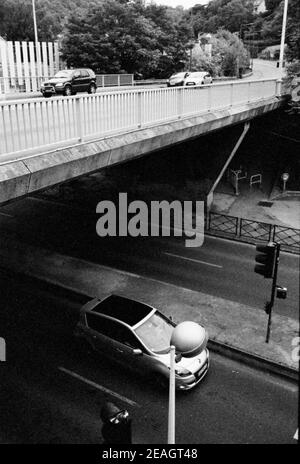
(69, 82)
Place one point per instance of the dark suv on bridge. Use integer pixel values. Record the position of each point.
(69, 82)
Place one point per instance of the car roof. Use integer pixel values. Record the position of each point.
(129, 311)
(182, 73)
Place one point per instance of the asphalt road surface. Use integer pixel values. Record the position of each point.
(220, 267)
(52, 392)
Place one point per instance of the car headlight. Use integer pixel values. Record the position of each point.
(183, 372)
(42, 85)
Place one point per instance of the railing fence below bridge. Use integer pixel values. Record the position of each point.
(253, 231)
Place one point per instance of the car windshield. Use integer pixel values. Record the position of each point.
(178, 75)
(156, 332)
(65, 73)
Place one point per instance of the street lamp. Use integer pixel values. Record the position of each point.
(34, 22)
(283, 34)
(285, 177)
(191, 46)
(36, 40)
(188, 339)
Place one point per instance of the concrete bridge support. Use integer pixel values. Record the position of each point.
(210, 195)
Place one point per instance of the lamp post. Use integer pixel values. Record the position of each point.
(188, 339)
(285, 177)
(283, 34)
(34, 22)
(190, 47)
(36, 40)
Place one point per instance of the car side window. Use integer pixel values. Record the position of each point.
(112, 329)
(84, 73)
(76, 74)
(100, 324)
(125, 336)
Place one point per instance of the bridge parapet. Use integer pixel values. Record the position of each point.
(35, 126)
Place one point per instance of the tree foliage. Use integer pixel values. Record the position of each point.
(16, 17)
(118, 36)
(221, 14)
(227, 57)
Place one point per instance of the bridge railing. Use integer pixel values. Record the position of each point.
(38, 125)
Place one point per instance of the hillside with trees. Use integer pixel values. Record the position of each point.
(131, 36)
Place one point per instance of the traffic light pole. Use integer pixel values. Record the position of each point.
(274, 285)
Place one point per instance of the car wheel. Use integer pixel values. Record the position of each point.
(68, 91)
(92, 88)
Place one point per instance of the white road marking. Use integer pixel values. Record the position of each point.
(6, 214)
(296, 435)
(98, 387)
(194, 260)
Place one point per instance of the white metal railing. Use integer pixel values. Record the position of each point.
(21, 84)
(32, 126)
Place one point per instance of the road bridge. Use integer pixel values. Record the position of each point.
(44, 142)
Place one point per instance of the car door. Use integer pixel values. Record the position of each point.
(112, 339)
(207, 79)
(134, 354)
(85, 80)
(76, 81)
(98, 330)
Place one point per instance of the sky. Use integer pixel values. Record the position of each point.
(184, 3)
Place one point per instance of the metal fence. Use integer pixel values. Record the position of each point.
(36, 125)
(253, 231)
(22, 84)
(22, 62)
(223, 223)
(33, 83)
(287, 236)
(112, 80)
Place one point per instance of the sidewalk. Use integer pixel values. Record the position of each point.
(229, 324)
(282, 212)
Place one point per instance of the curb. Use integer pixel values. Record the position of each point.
(252, 360)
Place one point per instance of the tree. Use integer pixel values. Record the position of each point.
(16, 17)
(226, 14)
(227, 57)
(116, 36)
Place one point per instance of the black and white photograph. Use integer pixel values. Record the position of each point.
(149, 226)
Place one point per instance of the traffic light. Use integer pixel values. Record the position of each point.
(266, 259)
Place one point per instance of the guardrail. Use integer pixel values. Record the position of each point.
(111, 80)
(38, 125)
(253, 231)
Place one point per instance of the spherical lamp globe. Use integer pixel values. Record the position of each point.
(189, 338)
